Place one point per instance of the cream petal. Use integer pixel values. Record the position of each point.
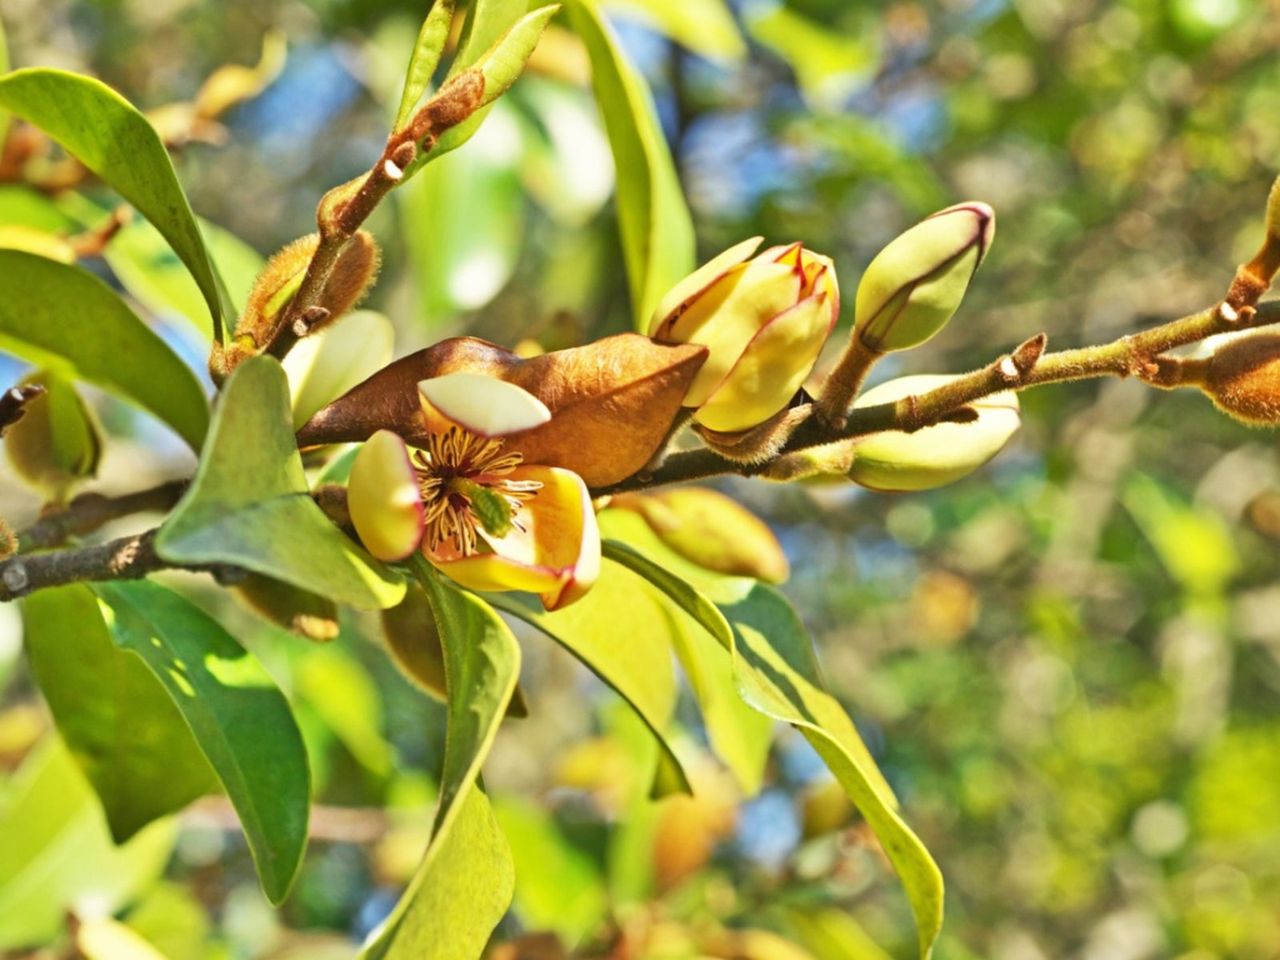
(384, 498)
(677, 299)
(484, 405)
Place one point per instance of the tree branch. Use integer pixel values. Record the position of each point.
(1027, 366)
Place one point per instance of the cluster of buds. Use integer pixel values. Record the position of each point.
(482, 462)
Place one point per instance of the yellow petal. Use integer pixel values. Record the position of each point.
(771, 368)
(483, 405)
(384, 498)
(556, 554)
(732, 313)
(671, 306)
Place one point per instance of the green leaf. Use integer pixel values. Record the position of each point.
(497, 41)
(109, 136)
(426, 57)
(654, 220)
(248, 505)
(458, 895)
(830, 64)
(57, 851)
(4, 68)
(777, 675)
(345, 698)
(146, 266)
(465, 882)
(66, 319)
(239, 718)
(631, 654)
(121, 726)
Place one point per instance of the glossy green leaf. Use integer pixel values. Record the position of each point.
(705, 27)
(425, 58)
(109, 136)
(57, 850)
(777, 675)
(66, 319)
(239, 718)
(654, 220)
(248, 505)
(465, 882)
(631, 654)
(121, 726)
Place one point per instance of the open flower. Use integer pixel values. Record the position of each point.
(475, 509)
(763, 319)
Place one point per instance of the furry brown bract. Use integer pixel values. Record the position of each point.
(1243, 379)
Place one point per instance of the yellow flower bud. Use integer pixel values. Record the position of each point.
(763, 320)
(936, 455)
(915, 284)
(1243, 379)
(57, 443)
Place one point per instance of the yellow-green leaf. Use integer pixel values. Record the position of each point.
(66, 319)
(238, 716)
(109, 136)
(248, 505)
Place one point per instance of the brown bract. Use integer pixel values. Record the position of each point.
(1243, 379)
(612, 402)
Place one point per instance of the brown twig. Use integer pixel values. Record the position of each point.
(89, 511)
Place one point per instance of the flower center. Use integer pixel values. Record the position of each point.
(466, 486)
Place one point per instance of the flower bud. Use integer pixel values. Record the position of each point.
(763, 320)
(58, 442)
(915, 284)
(932, 456)
(1243, 379)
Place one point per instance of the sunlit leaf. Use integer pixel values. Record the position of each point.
(66, 319)
(464, 884)
(57, 850)
(657, 231)
(239, 718)
(119, 723)
(1194, 543)
(829, 64)
(777, 674)
(110, 137)
(632, 654)
(103, 938)
(345, 698)
(248, 504)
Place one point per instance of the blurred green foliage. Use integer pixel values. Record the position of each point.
(1067, 665)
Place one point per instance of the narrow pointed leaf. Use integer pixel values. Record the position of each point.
(654, 220)
(777, 675)
(465, 882)
(239, 718)
(631, 654)
(425, 58)
(64, 318)
(248, 505)
(121, 726)
(109, 136)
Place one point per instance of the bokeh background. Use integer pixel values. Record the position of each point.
(1067, 665)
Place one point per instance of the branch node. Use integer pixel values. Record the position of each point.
(15, 578)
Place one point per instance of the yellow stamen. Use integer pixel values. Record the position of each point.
(456, 455)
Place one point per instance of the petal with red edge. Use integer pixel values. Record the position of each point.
(384, 498)
(483, 405)
(771, 368)
(554, 552)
